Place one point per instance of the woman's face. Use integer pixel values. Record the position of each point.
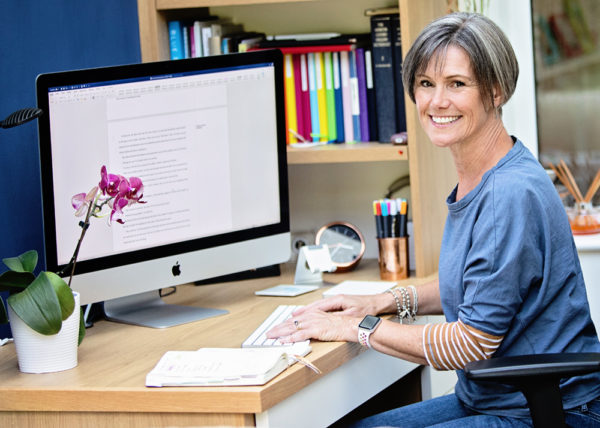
(450, 106)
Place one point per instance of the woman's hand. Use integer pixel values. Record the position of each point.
(332, 319)
(351, 305)
(316, 324)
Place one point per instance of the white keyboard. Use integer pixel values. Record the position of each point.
(259, 337)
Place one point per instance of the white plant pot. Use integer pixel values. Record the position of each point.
(38, 353)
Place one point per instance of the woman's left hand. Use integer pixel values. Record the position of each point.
(318, 325)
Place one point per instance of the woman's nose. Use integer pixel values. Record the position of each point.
(440, 97)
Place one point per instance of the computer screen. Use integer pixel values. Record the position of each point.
(207, 138)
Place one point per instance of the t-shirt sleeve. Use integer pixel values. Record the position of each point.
(505, 258)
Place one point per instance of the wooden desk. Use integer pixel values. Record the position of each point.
(107, 388)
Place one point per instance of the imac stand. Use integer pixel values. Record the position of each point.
(149, 310)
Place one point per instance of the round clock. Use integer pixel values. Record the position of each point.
(346, 244)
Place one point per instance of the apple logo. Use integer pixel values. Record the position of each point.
(176, 269)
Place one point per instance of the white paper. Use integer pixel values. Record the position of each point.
(288, 290)
(360, 287)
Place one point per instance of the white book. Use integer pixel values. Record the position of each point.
(224, 366)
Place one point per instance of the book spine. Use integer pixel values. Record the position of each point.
(362, 94)
(175, 40)
(355, 105)
(399, 87)
(383, 76)
(305, 97)
(197, 39)
(290, 100)
(330, 97)
(314, 102)
(298, 93)
(371, 102)
(339, 102)
(321, 98)
(206, 35)
(185, 36)
(346, 95)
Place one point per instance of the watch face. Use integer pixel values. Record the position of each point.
(345, 243)
(369, 322)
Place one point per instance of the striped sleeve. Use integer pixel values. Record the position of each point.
(451, 345)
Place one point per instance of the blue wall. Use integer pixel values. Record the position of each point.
(40, 36)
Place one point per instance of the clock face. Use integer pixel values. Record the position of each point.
(345, 242)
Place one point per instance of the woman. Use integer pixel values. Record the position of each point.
(509, 276)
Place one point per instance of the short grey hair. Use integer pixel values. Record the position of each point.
(493, 60)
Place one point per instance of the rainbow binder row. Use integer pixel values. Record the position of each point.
(326, 93)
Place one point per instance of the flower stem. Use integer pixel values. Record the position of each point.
(84, 226)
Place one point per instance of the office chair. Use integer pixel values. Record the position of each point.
(537, 376)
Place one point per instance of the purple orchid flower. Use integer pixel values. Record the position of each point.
(81, 201)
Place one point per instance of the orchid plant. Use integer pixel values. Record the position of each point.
(45, 301)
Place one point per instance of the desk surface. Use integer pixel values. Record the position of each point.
(115, 358)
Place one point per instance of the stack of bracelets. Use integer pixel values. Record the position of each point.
(402, 298)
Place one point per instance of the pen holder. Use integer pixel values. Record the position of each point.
(393, 258)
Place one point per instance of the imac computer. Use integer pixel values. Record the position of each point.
(207, 138)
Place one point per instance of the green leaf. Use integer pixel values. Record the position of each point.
(15, 282)
(38, 306)
(26, 262)
(64, 294)
(81, 327)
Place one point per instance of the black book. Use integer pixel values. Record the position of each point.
(383, 75)
(399, 87)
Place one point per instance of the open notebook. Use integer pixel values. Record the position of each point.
(224, 366)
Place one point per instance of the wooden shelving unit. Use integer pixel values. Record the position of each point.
(347, 153)
(431, 171)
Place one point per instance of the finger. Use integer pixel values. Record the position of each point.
(329, 304)
(280, 330)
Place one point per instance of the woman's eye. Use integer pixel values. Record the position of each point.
(457, 84)
(425, 83)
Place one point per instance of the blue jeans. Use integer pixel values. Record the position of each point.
(449, 412)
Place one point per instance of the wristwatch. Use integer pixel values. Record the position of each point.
(366, 327)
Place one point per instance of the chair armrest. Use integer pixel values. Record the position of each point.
(535, 365)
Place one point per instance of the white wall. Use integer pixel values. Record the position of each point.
(514, 17)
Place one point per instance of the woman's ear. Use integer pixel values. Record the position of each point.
(497, 97)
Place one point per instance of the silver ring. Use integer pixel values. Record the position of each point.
(297, 324)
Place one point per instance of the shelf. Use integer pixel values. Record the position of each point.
(569, 65)
(184, 4)
(347, 153)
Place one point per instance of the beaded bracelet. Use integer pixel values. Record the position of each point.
(415, 302)
(393, 293)
(405, 303)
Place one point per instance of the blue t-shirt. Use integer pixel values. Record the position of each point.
(509, 267)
